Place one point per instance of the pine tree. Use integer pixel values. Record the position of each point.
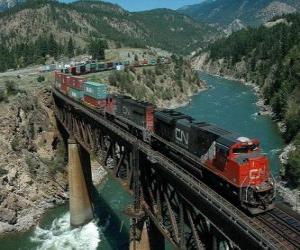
(52, 46)
(97, 48)
(70, 49)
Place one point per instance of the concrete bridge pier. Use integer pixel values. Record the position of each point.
(80, 204)
(149, 238)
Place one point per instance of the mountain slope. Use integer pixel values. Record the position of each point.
(6, 4)
(268, 56)
(84, 20)
(254, 12)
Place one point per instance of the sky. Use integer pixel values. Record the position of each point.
(139, 5)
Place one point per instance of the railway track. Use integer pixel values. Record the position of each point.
(284, 226)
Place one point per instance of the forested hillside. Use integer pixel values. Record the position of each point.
(38, 28)
(270, 57)
(254, 12)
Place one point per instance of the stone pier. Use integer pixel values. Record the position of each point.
(80, 204)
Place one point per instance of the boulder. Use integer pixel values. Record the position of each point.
(7, 215)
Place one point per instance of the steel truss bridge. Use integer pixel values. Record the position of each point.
(170, 200)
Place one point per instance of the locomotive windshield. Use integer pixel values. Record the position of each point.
(245, 149)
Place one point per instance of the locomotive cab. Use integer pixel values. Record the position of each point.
(254, 178)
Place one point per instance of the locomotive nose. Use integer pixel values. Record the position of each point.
(258, 170)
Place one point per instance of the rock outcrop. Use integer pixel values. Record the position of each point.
(32, 166)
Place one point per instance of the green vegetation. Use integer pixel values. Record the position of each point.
(25, 53)
(10, 88)
(58, 162)
(292, 170)
(272, 60)
(158, 83)
(96, 48)
(41, 79)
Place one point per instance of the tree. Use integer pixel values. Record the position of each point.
(97, 48)
(136, 58)
(11, 87)
(52, 46)
(70, 49)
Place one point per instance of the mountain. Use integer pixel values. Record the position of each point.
(6, 4)
(254, 12)
(268, 56)
(84, 20)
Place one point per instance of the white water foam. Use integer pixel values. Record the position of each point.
(61, 236)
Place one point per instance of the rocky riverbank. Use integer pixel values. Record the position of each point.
(32, 175)
(219, 68)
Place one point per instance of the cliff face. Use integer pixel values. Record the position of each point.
(32, 176)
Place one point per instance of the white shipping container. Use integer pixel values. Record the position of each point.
(120, 67)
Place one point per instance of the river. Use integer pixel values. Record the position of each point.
(229, 104)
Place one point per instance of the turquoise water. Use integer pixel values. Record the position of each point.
(229, 104)
(232, 105)
(108, 231)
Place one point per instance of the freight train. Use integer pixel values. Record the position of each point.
(93, 67)
(228, 162)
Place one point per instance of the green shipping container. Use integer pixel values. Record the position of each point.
(95, 90)
(75, 93)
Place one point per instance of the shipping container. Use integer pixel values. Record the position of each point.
(73, 70)
(95, 90)
(93, 67)
(82, 69)
(99, 103)
(101, 66)
(77, 70)
(126, 63)
(144, 62)
(109, 65)
(75, 93)
(77, 82)
(88, 68)
(153, 62)
(120, 67)
(65, 83)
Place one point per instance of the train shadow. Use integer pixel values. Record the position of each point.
(112, 227)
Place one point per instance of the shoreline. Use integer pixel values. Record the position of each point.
(178, 103)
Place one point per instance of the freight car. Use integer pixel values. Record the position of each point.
(228, 162)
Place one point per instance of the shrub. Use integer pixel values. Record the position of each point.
(11, 87)
(293, 169)
(41, 78)
(15, 144)
(2, 95)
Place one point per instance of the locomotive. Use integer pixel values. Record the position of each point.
(228, 162)
(231, 163)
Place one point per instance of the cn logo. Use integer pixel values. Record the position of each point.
(255, 174)
(181, 136)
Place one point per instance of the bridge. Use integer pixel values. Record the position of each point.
(169, 202)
